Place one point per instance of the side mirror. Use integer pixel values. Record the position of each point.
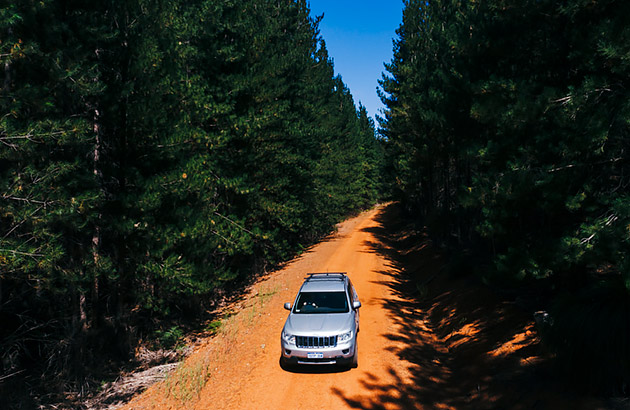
(356, 305)
(287, 306)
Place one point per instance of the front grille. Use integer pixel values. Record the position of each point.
(314, 341)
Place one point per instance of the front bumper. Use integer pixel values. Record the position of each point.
(340, 354)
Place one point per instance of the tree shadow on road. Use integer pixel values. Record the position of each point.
(465, 346)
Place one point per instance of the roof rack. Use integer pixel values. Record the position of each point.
(326, 275)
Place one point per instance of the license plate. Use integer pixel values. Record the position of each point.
(315, 355)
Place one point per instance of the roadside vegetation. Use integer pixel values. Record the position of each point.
(507, 128)
(154, 157)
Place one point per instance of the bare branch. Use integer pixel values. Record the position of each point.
(13, 146)
(234, 223)
(12, 374)
(223, 237)
(14, 228)
(33, 255)
(29, 136)
(30, 201)
(563, 100)
(21, 222)
(610, 161)
(587, 240)
(611, 220)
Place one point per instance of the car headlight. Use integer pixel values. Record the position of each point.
(288, 337)
(345, 337)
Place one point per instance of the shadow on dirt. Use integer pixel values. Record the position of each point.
(465, 347)
(313, 369)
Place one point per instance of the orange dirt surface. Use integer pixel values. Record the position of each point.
(427, 341)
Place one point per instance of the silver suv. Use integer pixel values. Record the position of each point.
(323, 323)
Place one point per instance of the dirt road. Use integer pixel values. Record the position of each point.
(241, 365)
(426, 341)
(264, 385)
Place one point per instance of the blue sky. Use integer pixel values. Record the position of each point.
(358, 37)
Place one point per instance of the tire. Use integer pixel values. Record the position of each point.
(354, 360)
(285, 364)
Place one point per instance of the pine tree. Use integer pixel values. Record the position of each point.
(506, 124)
(153, 155)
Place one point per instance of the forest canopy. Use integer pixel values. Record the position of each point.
(507, 128)
(156, 154)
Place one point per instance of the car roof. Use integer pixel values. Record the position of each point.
(325, 282)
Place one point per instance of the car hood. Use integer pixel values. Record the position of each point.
(319, 324)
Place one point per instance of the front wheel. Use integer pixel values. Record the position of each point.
(285, 364)
(354, 361)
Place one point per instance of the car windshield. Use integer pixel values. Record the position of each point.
(321, 302)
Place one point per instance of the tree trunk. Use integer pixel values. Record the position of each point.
(6, 87)
(83, 325)
(96, 237)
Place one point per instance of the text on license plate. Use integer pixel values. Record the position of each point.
(315, 355)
